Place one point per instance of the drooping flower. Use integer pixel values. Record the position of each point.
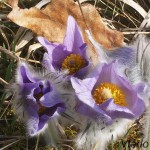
(71, 55)
(36, 99)
(108, 94)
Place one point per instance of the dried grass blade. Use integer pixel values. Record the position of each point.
(11, 54)
(32, 48)
(2, 81)
(146, 21)
(25, 40)
(144, 24)
(5, 38)
(10, 144)
(19, 34)
(42, 3)
(136, 6)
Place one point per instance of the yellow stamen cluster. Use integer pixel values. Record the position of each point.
(106, 91)
(73, 63)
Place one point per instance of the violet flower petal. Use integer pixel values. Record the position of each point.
(32, 120)
(48, 45)
(139, 107)
(82, 51)
(56, 54)
(54, 59)
(59, 108)
(59, 54)
(50, 99)
(24, 75)
(81, 73)
(73, 35)
(96, 113)
(47, 62)
(42, 121)
(82, 86)
(116, 111)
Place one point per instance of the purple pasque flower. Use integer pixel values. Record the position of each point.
(71, 55)
(36, 99)
(106, 95)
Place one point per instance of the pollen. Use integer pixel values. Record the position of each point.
(106, 91)
(73, 63)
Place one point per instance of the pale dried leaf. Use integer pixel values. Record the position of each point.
(12, 3)
(52, 25)
(38, 22)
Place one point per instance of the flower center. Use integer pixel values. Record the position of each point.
(73, 63)
(42, 109)
(106, 91)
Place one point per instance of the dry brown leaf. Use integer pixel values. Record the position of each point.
(13, 3)
(50, 22)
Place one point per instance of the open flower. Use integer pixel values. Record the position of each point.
(107, 95)
(71, 55)
(36, 99)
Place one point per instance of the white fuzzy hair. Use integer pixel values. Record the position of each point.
(142, 45)
(97, 136)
